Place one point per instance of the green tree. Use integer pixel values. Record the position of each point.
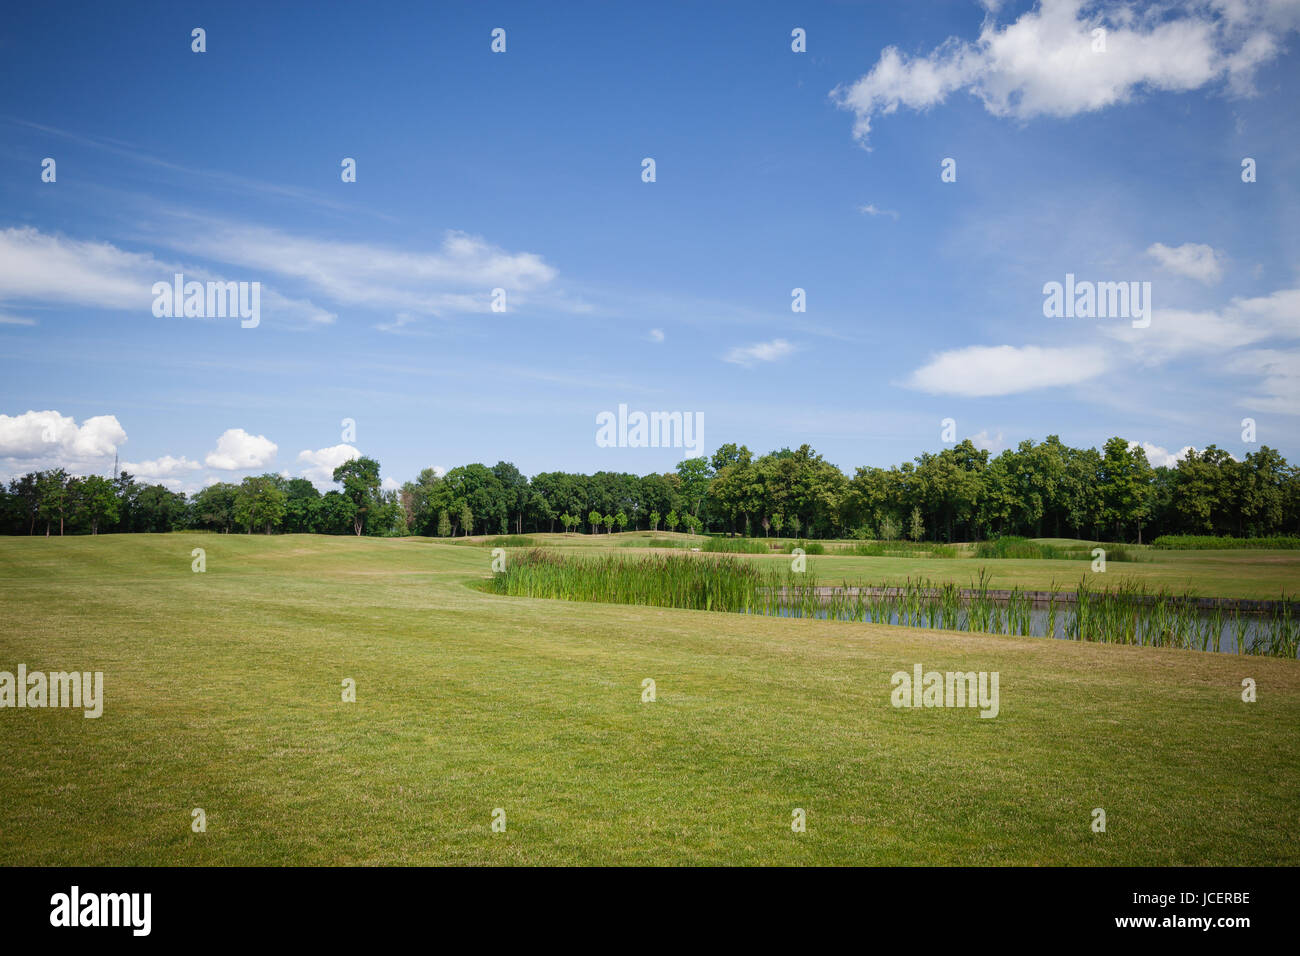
(671, 521)
(620, 519)
(917, 529)
(730, 454)
(444, 524)
(655, 518)
(214, 507)
(96, 501)
(514, 493)
(336, 513)
(1125, 475)
(52, 488)
(360, 480)
(261, 503)
(694, 476)
(25, 492)
(421, 500)
(593, 519)
(466, 519)
(301, 506)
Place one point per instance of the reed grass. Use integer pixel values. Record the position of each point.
(500, 541)
(1012, 546)
(1127, 613)
(1205, 542)
(898, 549)
(736, 546)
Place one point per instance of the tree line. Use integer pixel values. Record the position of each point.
(960, 493)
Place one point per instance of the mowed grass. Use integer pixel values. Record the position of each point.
(223, 692)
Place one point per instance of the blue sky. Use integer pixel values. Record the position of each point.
(522, 170)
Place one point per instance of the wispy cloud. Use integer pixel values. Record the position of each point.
(1275, 375)
(871, 209)
(759, 352)
(40, 267)
(1241, 323)
(457, 277)
(230, 182)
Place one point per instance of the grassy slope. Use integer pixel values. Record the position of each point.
(223, 692)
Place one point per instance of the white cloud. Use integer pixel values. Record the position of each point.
(1158, 456)
(51, 268)
(1043, 63)
(237, 449)
(979, 371)
(15, 320)
(37, 441)
(1276, 375)
(1242, 322)
(164, 467)
(400, 321)
(322, 462)
(759, 352)
(172, 484)
(1192, 259)
(458, 277)
(871, 209)
(656, 335)
(49, 435)
(989, 443)
(39, 267)
(390, 484)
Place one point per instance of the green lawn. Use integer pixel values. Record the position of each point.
(223, 692)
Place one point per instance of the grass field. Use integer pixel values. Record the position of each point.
(223, 692)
